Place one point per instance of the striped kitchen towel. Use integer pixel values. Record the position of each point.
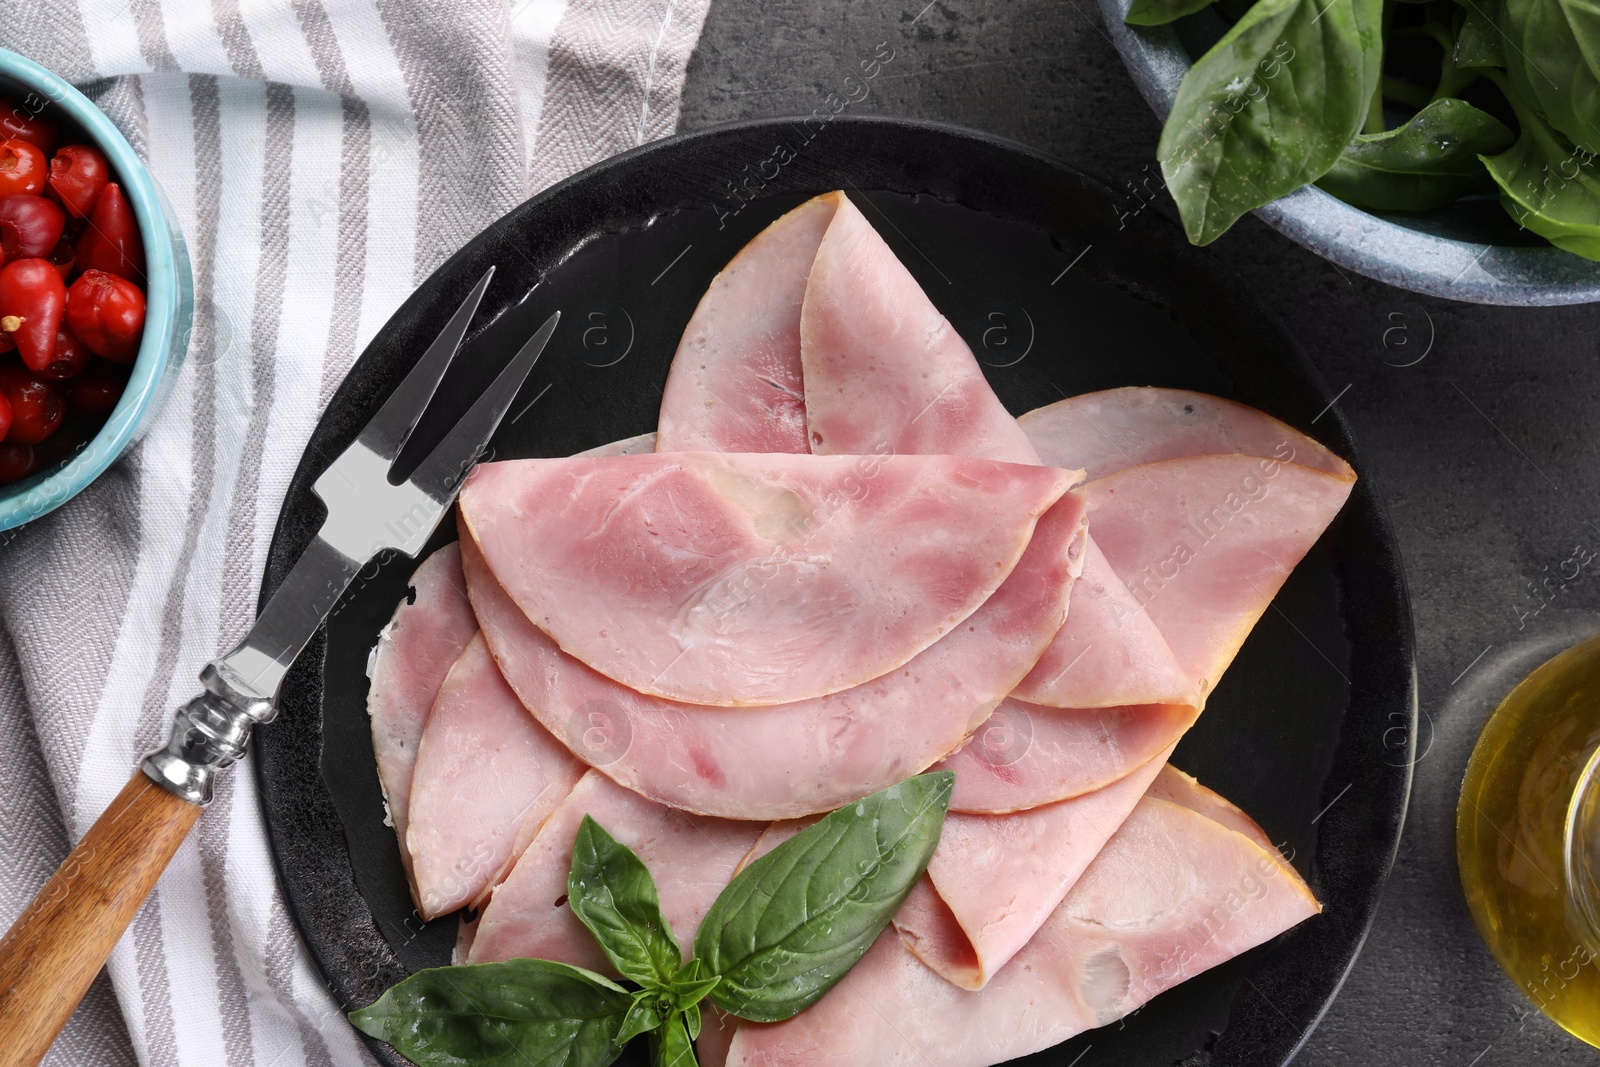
(322, 156)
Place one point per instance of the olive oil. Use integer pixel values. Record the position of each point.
(1527, 831)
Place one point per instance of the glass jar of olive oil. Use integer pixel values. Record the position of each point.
(1528, 837)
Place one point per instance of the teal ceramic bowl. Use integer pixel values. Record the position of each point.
(169, 295)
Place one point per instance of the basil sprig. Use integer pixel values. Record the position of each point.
(782, 933)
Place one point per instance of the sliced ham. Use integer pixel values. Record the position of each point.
(1171, 895)
(1110, 653)
(1027, 754)
(487, 774)
(809, 756)
(716, 1035)
(884, 372)
(1205, 542)
(691, 858)
(735, 383)
(414, 653)
(628, 446)
(996, 879)
(1179, 788)
(1115, 429)
(752, 579)
(466, 931)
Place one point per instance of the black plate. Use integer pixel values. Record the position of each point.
(1058, 293)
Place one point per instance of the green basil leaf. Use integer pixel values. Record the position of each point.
(1269, 108)
(671, 1046)
(1553, 60)
(644, 1015)
(686, 995)
(1479, 42)
(794, 921)
(1550, 187)
(1430, 161)
(610, 890)
(691, 1020)
(520, 1013)
(1160, 12)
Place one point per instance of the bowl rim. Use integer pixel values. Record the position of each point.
(166, 263)
(1357, 240)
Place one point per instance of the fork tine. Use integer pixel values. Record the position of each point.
(391, 427)
(440, 475)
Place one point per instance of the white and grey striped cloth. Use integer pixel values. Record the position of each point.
(323, 156)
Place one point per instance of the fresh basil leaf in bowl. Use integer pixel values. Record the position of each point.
(1269, 108)
(1553, 60)
(794, 921)
(1430, 161)
(1551, 187)
(1161, 12)
(1478, 42)
(491, 1014)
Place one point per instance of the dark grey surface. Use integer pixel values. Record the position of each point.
(1484, 449)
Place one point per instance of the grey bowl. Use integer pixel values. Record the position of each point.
(1457, 258)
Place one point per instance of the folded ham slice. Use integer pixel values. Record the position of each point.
(415, 651)
(735, 383)
(752, 579)
(486, 776)
(1172, 784)
(995, 879)
(1110, 653)
(1172, 894)
(1115, 429)
(884, 371)
(691, 858)
(1205, 542)
(809, 756)
(1027, 754)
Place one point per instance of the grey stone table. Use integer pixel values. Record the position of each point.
(1484, 449)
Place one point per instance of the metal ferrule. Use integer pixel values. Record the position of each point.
(208, 733)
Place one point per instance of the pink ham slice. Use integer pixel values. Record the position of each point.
(1171, 895)
(735, 383)
(995, 879)
(414, 653)
(1110, 653)
(885, 372)
(752, 579)
(628, 446)
(808, 756)
(1205, 542)
(486, 776)
(1026, 754)
(1115, 429)
(691, 858)
(1179, 788)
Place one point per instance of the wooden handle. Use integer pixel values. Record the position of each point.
(56, 947)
